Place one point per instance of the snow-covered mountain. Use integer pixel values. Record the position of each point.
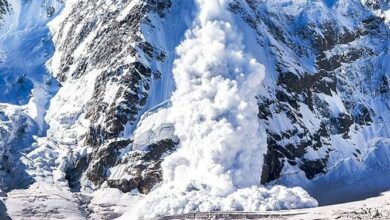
(108, 107)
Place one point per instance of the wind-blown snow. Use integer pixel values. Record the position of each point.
(219, 162)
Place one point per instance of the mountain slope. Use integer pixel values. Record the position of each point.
(167, 98)
(326, 101)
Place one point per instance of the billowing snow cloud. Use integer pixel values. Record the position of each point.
(214, 109)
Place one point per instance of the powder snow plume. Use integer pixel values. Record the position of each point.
(214, 109)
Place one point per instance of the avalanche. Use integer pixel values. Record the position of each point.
(214, 112)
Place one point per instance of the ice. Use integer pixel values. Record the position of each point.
(153, 127)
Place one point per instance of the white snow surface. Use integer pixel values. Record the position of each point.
(153, 127)
(25, 46)
(43, 201)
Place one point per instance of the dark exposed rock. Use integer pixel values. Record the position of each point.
(3, 212)
(363, 115)
(273, 163)
(126, 104)
(4, 8)
(377, 4)
(313, 167)
(384, 86)
(102, 159)
(74, 174)
(372, 23)
(341, 124)
(144, 167)
(125, 185)
(321, 82)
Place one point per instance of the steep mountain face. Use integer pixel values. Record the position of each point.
(87, 95)
(120, 56)
(326, 107)
(330, 87)
(324, 101)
